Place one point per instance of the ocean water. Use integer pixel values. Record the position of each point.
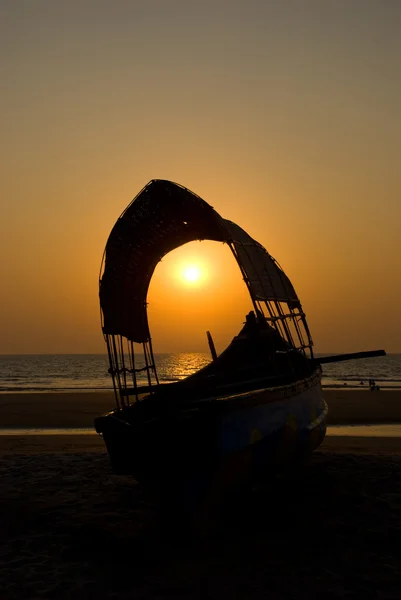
(50, 372)
(63, 372)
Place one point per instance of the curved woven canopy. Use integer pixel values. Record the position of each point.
(162, 217)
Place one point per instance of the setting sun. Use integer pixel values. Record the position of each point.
(191, 273)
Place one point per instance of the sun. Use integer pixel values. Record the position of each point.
(191, 273)
(189, 270)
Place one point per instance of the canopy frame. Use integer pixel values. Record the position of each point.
(162, 217)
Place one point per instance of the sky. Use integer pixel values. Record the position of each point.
(284, 116)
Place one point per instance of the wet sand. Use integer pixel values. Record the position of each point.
(73, 444)
(71, 529)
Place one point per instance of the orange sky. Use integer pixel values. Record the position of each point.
(283, 116)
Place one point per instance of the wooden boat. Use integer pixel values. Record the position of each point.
(257, 406)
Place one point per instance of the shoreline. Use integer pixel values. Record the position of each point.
(77, 410)
(109, 390)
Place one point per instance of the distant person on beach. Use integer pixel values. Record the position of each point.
(373, 386)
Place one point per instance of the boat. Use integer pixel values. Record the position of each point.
(255, 408)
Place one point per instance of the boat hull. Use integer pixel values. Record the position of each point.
(275, 425)
(220, 442)
(253, 442)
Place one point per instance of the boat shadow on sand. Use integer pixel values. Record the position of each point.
(332, 527)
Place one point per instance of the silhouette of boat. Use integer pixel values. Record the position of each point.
(257, 406)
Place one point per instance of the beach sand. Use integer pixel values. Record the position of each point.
(71, 529)
(54, 409)
(78, 409)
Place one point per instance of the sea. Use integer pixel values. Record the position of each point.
(89, 372)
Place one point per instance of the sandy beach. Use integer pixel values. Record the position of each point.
(69, 528)
(78, 409)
